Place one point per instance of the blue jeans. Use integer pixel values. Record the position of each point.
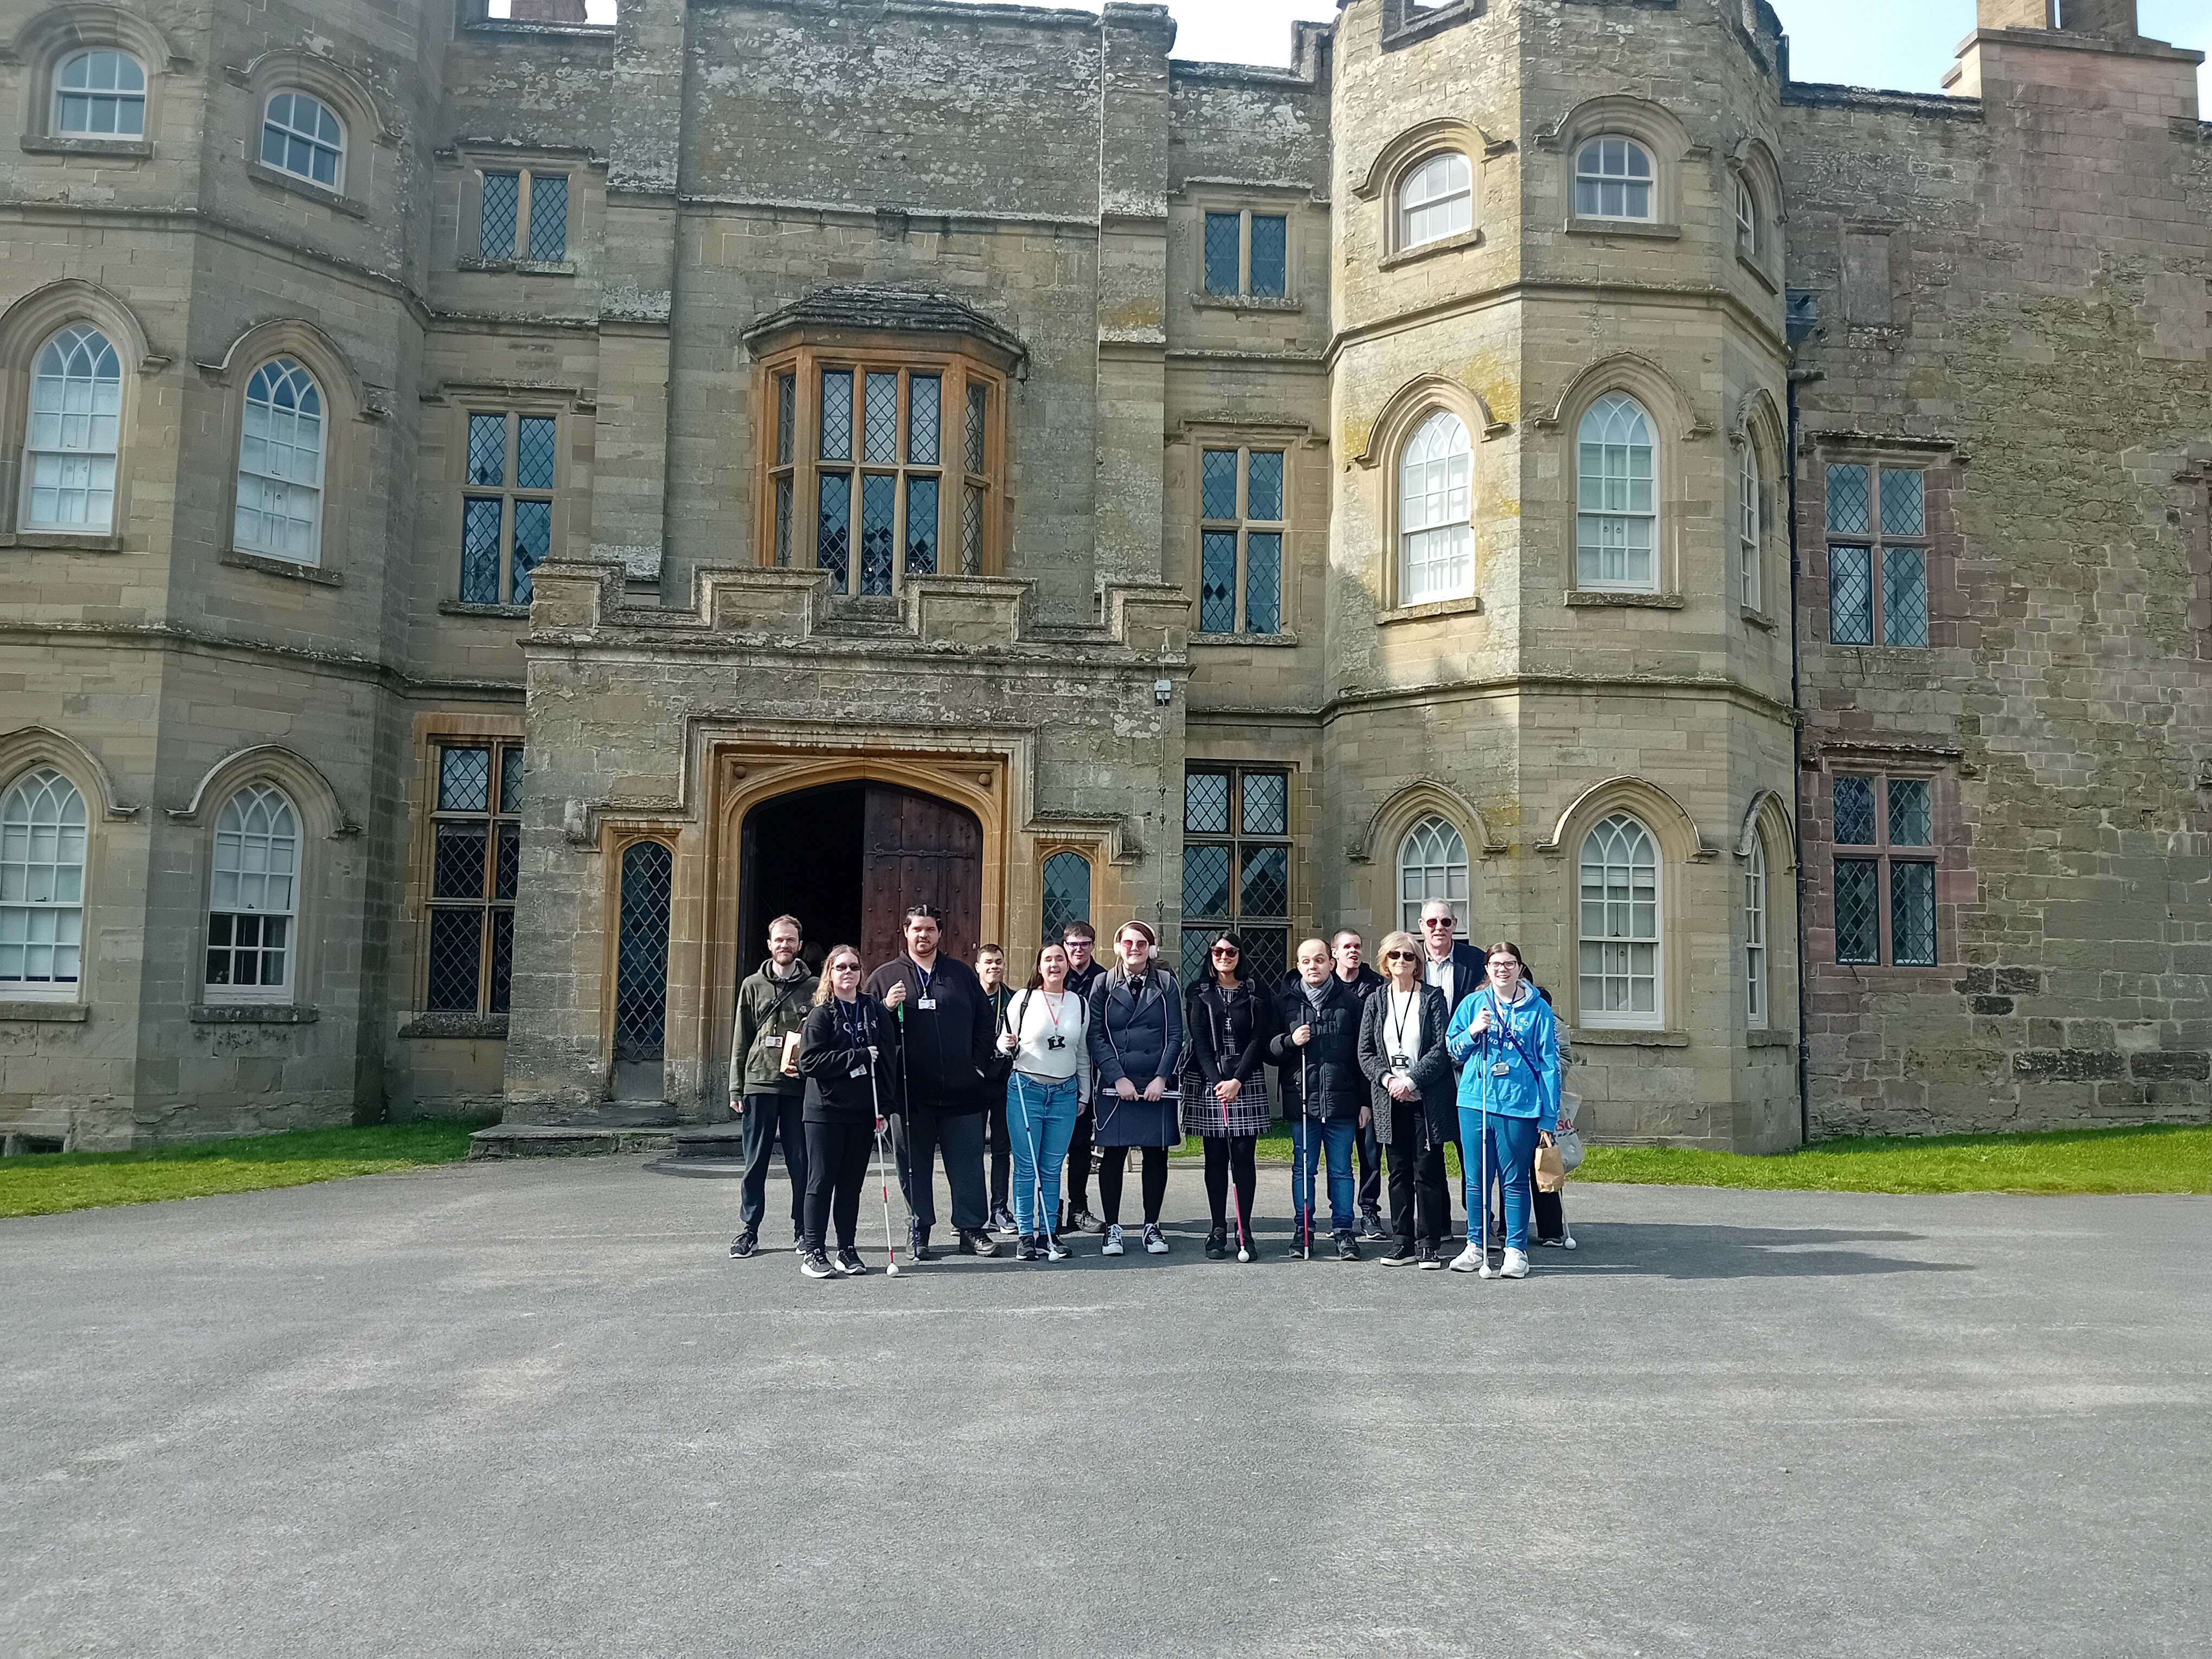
(1510, 1156)
(1040, 1121)
(1337, 1136)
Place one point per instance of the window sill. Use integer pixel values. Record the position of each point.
(493, 1026)
(1599, 599)
(1629, 1036)
(1763, 1037)
(1645, 229)
(1265, 641)
(522, 267)
(238, 560)
(254, 1013)
(119, 150)
(63, 541)
(463, 608)
(1756, 618)
(1246, 302)
(1758, 272)
(1899, 651)
(1413, 256)
(1471, 605)
(58, 1012)
(262, 173)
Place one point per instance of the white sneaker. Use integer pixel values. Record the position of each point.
(1054, 1250)
(1113, 1244)
(1516, 1265)
(1468, 1260)
(1154, 1244)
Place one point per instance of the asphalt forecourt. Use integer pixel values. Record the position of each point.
(534, 1407)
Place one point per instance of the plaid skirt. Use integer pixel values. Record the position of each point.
(1249, 1114)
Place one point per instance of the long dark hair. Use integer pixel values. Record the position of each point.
(1213, 975)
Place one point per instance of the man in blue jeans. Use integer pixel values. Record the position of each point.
(1325, 1094)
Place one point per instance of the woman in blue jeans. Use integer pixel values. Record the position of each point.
(1506, 1046)
(1046, 1033)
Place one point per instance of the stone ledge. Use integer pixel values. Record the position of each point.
(1767, 1037)
(1628, 1037)
(491, 1026)
(1589, 599)
(1266, 641)
(32, 1009)
(120, 149)
(463, 608)
(1247, 302)
(268, 566)
(254, 1013)
(63, 541)
(1470, 606)
(519, 267)
(1647, 229)
(262, 173)
(1414, 255)
(565, 1140)
(1756, 618)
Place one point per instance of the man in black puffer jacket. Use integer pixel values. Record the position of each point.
(1325, 1094)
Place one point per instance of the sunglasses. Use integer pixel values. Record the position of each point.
(1437, 921)
(1401, 956)
(1226, 951)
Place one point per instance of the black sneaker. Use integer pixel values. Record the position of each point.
(1217, 1244)
(917, 1244)
(815, 1265)
(1347, 1248)
(1430, 1261)
(1002, 1221)
(1370, 1227)
(849, 1262)
(744, 1244)
(973, 1241)
(1399, 1256)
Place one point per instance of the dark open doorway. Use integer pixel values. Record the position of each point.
(847, 858)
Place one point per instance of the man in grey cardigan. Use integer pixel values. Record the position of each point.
(773, 1002)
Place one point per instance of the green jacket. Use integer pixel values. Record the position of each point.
(767, 1009)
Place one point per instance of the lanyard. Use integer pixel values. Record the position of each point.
(855, 1024)
(922, 976)
(1504, 1026)
(1398, 1021)
(1052, 1010)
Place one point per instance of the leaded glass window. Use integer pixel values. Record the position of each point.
(1246, 255)
(549, 217)
(1240, 541)
(1066, 894)
(1224, 253)
(1270, 255)
(1436, 511)
(100, 94)
(502, 212)
(72, 433)
(641, 951)
(1436, 200)
(1616, 520)
(476, 870)
(253, 896)
(1885, 887)
(1236, 863)
(1612, 179)
(1620, 924)
(42, 856)
(302, 136)
(1431, 864)
(1878, 554)
(507, 511)
(280, 464)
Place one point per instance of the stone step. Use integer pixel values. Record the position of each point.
(569, 1139)
(724, 1140)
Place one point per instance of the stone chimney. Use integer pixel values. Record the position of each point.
(2113, 19)
(2000, 14)
(552, 11)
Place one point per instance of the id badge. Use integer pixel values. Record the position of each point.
(1401, 1062)
(858, 1071)
(1501, 1068)
(1055, 1043)
(928, 1005)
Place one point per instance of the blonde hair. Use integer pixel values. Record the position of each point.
(823, 990)
(1399, 940)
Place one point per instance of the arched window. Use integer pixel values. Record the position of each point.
(280, 464)
(1748, 526)
(302, 136)
(70, 439)
(1435, 513)
(1612, 179)
(1436, 199)
(1747, 219)
(1754, 936)
(100, 94)
(42, 843)
(254, 897)
(1616, 519)
(642, 964)
(1066, 894)
(1431, 864)
(1620, 924)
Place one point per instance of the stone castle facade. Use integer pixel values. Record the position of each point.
(493, 506)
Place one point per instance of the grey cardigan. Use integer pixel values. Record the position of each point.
(1432, 1072)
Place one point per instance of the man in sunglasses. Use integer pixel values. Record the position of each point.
(1455, 968)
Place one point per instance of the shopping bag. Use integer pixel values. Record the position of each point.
(1569, 1148)
(1550, 1170)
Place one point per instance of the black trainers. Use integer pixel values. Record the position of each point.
(1002, 1221)
(1347, 1249)
(815, 1265)
(917, 1244)
(1370, 1227)
(849, 1262)
(1217, 1244)
(975, 1242)
(1399, 1256)
(1432, 1259)
(744, 1244)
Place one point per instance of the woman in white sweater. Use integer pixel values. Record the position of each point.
(1045, 1032)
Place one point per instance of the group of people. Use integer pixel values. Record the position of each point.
(1448, 1046)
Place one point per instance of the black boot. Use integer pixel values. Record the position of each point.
(1216, 1243)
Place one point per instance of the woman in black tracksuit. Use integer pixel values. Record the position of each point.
(1231, 1020)
(848, 1054)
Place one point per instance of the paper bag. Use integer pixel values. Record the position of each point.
(1550, 1169)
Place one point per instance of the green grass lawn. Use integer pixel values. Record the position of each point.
(48, 1182)
(2165, 1159)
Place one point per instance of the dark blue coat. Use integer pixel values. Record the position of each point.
(1136, 1032)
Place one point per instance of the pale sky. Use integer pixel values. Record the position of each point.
(1905, 45)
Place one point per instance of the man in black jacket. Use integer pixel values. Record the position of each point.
(1325, 1094)
(1457, 969)
(1346, 950)
(946, 1053)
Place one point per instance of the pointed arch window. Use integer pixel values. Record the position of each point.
(72, 436)
(1436, 200)
(1619, 924)
(280, 464)
(42, 852)
(100, 94)
(642, 963)
(1749, 526)
(1616, 518)
(1436, 511)
(302, 136)
(1754, 936)
(1066, 894)
(254, 897)
(1614, 179)
(1431, 864)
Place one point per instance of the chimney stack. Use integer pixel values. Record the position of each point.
(2016, 14)
(549, 11)
(2113, 19)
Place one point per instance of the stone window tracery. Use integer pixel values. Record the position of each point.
(42, 857)
(1619, 925)
(1436, 199)
(1431, 864)
(1436, 511)
(1614, 179)
(254, 897)
(72, 433)
(100, 94)
(302, 136)
(280, 464)
(1616, 518)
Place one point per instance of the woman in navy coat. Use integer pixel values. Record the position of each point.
(1136, 1044)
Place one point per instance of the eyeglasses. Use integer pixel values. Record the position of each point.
(1400, 955)
(1226, 951)
(1435, 922)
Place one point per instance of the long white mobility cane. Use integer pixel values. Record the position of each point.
(1305, 1158)
(1483, 1220)
(883, 1171)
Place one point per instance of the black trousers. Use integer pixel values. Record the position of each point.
(1077, 1172)
(1155, 1179)
(769, 1118)
(1002, 1152)
(1421, 1200)
(1229, 1157)
(920, 1136)
(836, 1167)
(1371, 1169)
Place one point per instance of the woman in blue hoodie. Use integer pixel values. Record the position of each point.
(1506, 1046)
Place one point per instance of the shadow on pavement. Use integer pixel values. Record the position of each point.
(1697, 1250)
